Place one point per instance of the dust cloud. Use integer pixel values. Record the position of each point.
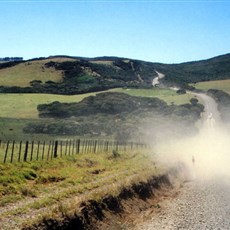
(207, 153)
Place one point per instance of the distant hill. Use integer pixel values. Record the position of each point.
(75, 75)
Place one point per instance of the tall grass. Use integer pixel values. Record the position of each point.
(63, 177)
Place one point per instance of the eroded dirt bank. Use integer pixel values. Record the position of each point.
(120, 212)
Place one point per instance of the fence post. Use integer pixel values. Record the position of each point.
(52, 149)
(61, 148)
(70, 142)
(95, 146)
(78, 145)
(55, 149)
(12, 153)
(73, 147)
(7, 146)
(48, 150)
(85, 146)
(38, 149)
(26, 151)
(32, 150)
(66, 146)
(19, 152)
(43, 149)
(107, 146)
(117, 146)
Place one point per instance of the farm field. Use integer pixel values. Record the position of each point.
(25, 105)
(220, 84)
(17, 110)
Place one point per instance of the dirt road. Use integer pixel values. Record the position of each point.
(210, 106)
(201, 204)
(204, 201)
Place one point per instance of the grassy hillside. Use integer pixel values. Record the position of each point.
(75, 75)
(23, 73)
(219, 84)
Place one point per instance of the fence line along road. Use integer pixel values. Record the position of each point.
(12, 151)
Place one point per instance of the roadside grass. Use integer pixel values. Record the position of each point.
(51, 182)
(219, 84)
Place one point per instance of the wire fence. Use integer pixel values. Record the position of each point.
(25, 151)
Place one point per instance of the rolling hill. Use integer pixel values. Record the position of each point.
(76, 75)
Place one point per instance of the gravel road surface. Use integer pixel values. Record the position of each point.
(203, 203)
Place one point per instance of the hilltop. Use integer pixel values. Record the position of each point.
(75, 75)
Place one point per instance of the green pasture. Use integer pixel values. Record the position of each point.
(19, 109)
(167, 95)
(220, 84)
(25, 105)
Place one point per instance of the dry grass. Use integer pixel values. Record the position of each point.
(21, 74)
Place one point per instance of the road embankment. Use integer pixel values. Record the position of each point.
(117, 211)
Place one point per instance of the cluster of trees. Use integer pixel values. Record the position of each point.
(111, 114)
(6, 59)
(103, 103)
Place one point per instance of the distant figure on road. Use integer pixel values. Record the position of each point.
(193, 161)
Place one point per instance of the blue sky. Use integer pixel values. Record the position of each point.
(157, 31)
